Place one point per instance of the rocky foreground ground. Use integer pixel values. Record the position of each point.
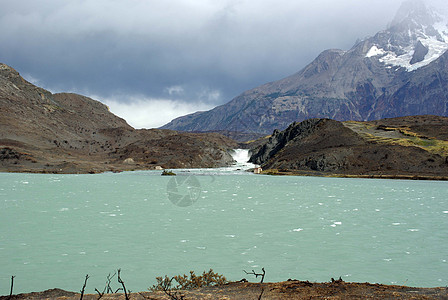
(291, 289)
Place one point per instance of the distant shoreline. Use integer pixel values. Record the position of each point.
(272, 172)
(275, 172)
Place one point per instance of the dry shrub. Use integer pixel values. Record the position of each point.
(185, 282)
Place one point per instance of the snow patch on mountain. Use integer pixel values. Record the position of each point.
(374, 51)
(437, 44)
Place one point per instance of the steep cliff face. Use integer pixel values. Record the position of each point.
(45, 132)
(391, 146)
(314, 133)
(425, 91)
(398, 72)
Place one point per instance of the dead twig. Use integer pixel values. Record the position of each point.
(257, 274)
(84, 287)
(109, 279)
(107, 289)
(122, 283)
(165, 285)
(12, 286)
(99, 293)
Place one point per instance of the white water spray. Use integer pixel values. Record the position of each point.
(242, 156)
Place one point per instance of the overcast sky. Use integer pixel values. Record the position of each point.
(154, 60)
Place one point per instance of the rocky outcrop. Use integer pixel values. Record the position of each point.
(279, 139)
(303, 145)
(69, 133)
(8, 154)
(420, 52)
(390, 146)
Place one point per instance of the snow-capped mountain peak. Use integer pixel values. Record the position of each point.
(417, 36)
(370, 81)
(416, 12)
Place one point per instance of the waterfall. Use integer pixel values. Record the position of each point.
(241, 156)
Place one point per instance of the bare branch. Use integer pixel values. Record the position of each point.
(108, 288)
(122, 283)
(99, 293)
(257, 274)
(84, 287)
(165, 285)
(12, 286)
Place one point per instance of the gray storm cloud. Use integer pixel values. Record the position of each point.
(200, 52)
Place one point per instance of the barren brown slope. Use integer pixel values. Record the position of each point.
(69, 133)
(405, 146)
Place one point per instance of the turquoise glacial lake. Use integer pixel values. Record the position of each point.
(55, 229)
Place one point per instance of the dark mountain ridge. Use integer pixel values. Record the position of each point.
(398, 72)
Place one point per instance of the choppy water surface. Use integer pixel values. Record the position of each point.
(55, 229)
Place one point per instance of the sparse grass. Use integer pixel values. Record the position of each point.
(359, 124)
(261, 138)
(275, 172)
(409, 138)
(376, 138)
(415, 141)
(431, 145)
(407, 131)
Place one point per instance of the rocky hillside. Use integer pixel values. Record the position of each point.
(45, 132)
(400, 71)
(410, 146)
